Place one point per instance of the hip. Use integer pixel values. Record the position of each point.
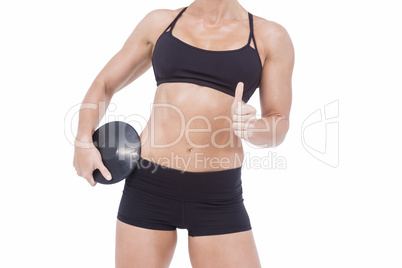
(173, 183)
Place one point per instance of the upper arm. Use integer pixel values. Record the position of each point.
(134, 58)
(276, 79)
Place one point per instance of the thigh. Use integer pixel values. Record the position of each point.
(234, 250)
(140, 247)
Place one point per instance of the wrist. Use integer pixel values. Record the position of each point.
(83, 141)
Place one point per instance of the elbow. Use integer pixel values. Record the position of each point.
(280, 132)
(109, 91)
(102, 88)
(280, 138)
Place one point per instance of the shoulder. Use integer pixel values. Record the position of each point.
(156, 21)
(271, 36)
(161, 14)
(160, 17)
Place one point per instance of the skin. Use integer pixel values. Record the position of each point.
(223, 25)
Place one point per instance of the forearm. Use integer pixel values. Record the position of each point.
(269, 131)
(92, 110)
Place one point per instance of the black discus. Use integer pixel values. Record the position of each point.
(120, 147)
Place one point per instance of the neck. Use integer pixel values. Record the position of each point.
(214, 10)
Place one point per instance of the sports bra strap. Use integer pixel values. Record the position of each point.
(171, 25)
(250, 19)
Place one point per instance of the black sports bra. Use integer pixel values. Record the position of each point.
(176, 61)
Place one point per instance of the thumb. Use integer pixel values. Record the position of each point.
(105, 172)
(239, 92)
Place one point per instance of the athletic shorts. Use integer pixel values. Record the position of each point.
(205, 203)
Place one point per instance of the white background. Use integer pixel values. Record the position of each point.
(309, 214)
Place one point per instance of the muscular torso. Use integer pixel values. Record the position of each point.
(190, 125)
(190, 129)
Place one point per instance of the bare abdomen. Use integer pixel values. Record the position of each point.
(190, 129)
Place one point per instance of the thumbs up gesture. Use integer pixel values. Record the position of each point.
(243, 115)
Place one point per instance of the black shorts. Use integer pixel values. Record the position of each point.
(205, 203)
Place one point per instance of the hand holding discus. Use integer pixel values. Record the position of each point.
(120, 147)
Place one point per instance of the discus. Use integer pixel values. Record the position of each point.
(120, 148)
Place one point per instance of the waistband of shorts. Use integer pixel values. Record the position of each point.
(174, 183)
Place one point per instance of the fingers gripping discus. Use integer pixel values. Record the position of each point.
(120, 147)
